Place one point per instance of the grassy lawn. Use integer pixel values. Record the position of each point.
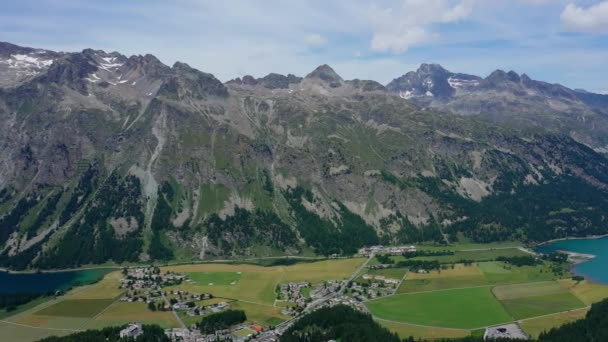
(507, 292)
(105, 288)
(458, 270)
(535, 326)
(22, 308)
(317, 272)
(260, 314)
(482, 255)
(433, 284)
(478, 274)
(76, 308)
(588, 292)
(458, 277)
(405, 330)
(124, 312)
(459, 246)
(396, 273)
(457, 308)
(526, 307)
(493, 267)
(243, 332)
(52, 322)
(215, 278)
(12, 332)
(257, 283)
(521, 274)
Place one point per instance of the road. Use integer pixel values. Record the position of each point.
(282, 327)
(179, 319)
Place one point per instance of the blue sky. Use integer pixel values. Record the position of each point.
(552, 40)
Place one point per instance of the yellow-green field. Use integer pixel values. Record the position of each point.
(535, 326)
(438, 304)
(507, 292)
(477, 274)
(97, 305)
(74, 311)
(257, 283)
(436, 300)
(405, 330)
(12, 332)
(466, 308)
(121, 313)
(586, 291)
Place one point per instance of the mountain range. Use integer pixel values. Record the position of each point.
(109, 158)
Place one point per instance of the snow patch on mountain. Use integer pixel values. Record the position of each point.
(460, 83)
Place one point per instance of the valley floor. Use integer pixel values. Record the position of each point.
(458, 300)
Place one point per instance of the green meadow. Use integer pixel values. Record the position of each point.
(457, 308)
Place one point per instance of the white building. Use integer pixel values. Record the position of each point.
(133, 330)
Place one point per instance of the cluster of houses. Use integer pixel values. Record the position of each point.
(142, 295)
(374, 290)
(325, 289)
(149, 278)
(185, 301)
(367, 251)
(194, 335)
(294, 293)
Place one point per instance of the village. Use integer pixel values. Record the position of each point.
(376, 250)
(145, 284)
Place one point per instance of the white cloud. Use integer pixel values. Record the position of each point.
(397, 30)
(590, 19)
(315, 39)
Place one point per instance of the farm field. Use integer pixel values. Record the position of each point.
(526, 307)
(457, 308)
(215, 278)
(396, 273)
(405, 330)
(508, 292)
(586, 291)
(261, 314)
(73, 311)
(460, 246)
(439, 304)
(505, 292)
(478, 274)
(482, 255)
(124, 312)
(12, 332)
(257, 283)
(535, 326)
(86, 308)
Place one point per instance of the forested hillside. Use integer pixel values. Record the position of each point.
(109, 158)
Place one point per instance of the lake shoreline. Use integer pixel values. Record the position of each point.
(587, 256)
(590, 237)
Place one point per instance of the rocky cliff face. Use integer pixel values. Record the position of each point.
(108, 157)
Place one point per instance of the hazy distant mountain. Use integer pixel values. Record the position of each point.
(108, 157)
(510, 99)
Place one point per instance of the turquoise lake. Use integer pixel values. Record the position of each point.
(49, 281)
(595, 269)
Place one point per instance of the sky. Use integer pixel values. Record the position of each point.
(558, 41)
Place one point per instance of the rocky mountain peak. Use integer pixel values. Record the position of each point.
(432, 69)
(187, 81)
(430, 80)
(19, 64)
(325, 73)
(270, 81)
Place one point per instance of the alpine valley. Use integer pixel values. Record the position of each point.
(112, 159)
